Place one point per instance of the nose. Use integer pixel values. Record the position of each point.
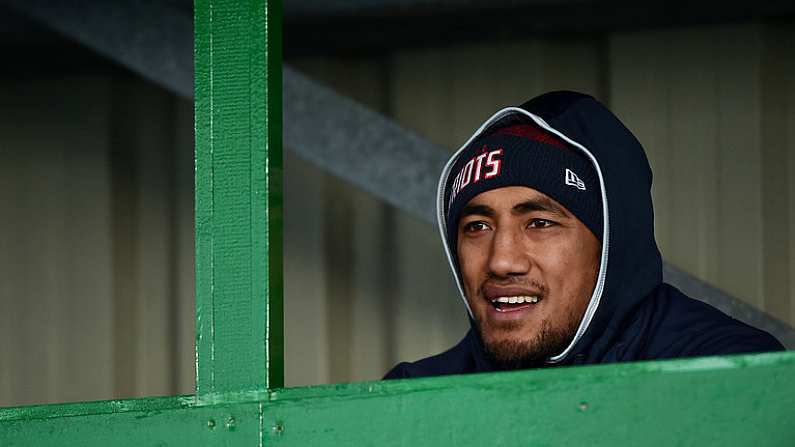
(509, 256)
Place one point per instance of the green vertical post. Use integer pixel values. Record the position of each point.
(238, 195)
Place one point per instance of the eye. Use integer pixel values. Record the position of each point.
(540, 223)
(475, 226)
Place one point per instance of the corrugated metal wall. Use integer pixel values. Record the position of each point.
(96, 235)
(713, 106)
(715, 110)
(50, 200)
(96, 240)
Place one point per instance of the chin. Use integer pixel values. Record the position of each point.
(508, 350)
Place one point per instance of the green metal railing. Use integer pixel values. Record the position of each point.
(740, 400)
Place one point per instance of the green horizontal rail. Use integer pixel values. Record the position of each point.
(102, 425)
(726, 401)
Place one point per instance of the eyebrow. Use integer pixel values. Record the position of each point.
(539, 204)
(528, 206)
(480, 210)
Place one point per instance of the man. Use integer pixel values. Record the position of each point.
(546, 218)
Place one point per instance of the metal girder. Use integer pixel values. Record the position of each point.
(297, 9)
(569, 14)
(729, 305)
(334, 132)
(361, 146)
(375, 26)
(151, 38)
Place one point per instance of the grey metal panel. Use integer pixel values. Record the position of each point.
(337, 134)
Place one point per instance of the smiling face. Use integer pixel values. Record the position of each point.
(529, 268)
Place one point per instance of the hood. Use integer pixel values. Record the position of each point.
(631, 265)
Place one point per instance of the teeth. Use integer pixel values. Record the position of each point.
(515, 299)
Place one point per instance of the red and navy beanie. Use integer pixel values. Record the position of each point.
(524, 155)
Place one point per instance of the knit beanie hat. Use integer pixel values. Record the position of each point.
(523, 155)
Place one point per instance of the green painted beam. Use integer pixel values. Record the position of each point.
(726, 401)
(238, 195)
(135, 423)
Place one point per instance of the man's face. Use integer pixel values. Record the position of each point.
(517, 244)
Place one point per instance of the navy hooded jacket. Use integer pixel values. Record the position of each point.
(632, 314)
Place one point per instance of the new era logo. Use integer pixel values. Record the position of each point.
(573, 180)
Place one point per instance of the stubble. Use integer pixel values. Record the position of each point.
(509, 353)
